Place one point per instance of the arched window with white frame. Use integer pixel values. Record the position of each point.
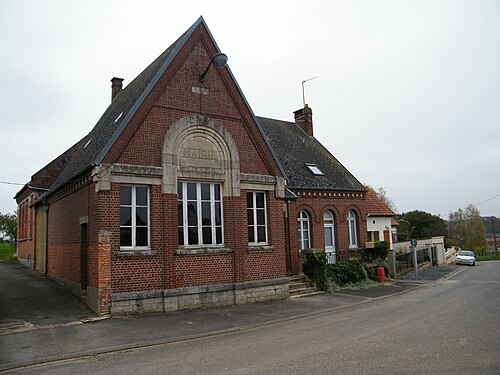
(329, 228)
(352, 230)
(304, 231)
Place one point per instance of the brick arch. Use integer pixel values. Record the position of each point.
(333, 210)
(220, 160)
(359, 216)
(310, 211)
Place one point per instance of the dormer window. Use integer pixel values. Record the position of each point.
(315, 170)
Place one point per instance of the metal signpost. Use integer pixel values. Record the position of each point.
(413, 244)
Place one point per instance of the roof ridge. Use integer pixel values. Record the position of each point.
(120, 111)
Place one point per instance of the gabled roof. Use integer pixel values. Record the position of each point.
(375, 206)
(295, 150)
(97, 143)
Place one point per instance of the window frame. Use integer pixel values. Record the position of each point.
(301, 221)
(255, 224)
(199, 225)
(133, 211)
(352, 230)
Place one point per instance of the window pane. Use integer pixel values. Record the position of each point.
(192, 213)
(179, 190)
(126, 216)
(251, 235)
(193, 236)
(249, 200)
(181, 236)
(261, 217)
(141, 216)
(206, 213)
(180, 214)
(125, 236)
(207, 235)
(218, 214)
(306, 243)
(141, 196)
(141, 236)
(328, 237)
(205, 192)
(218, 234)
(125, 195)
(261, 234)
(250, 217)
(217, 192)
(260, 200)
(191, 191)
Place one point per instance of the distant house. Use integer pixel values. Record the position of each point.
(180, 197)
(380, 220)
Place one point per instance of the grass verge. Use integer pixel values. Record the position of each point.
(7, 252)
(488, 257)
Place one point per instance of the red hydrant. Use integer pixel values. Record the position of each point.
(380, 275)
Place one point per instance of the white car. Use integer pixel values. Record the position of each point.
(466, 257)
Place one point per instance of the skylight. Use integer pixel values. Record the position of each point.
(119, 117)
(315, 170)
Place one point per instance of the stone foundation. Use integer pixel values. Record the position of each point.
(198, 297)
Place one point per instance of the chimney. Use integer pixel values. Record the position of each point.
(116, 87)
(304, 120)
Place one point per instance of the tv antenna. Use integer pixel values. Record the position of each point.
(303, 92)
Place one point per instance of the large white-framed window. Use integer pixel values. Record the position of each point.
(304, 231)
(329, 228)
(199, 214)
(352, 230)
(257, 217)
(134, 216)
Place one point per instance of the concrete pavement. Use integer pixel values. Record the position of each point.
(40, 343)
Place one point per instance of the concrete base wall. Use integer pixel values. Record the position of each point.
(198, 297)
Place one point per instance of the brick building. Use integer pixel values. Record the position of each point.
(181, 198)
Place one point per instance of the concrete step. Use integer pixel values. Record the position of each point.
(306, 294)
(304, 290)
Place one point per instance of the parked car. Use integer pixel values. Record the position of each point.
(466, 257)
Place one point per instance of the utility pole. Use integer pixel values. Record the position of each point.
(494, 234)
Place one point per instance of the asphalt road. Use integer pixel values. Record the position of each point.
(448, 328)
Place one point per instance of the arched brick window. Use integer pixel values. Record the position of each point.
(352, 229)
(304, 231)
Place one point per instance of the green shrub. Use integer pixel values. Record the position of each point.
(347, 272)
(314, 267)
(379, 251)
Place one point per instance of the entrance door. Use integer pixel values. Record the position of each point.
(83, 257)
(329, 237)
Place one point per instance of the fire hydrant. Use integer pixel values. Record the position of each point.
(380, 275)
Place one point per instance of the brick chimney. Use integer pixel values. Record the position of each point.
(304, 119)
(116, 87)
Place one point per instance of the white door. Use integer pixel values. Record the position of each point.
(329, 237)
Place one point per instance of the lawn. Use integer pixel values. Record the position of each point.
(489, 257)
(7, 252)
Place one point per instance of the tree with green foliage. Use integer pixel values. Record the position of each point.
(420, 225)
(467, 229)
(8, 226)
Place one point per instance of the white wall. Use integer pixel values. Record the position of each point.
(380, 224)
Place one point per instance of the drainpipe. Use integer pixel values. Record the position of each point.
(47, 240)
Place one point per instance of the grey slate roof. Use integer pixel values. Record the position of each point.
(294, 149)
(98, 142)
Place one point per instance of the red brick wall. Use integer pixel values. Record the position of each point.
(64, 233)
(26, 227)
(178, 101)
(315, 205)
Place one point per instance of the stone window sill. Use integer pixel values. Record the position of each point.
(260, 248)
(136, 253)
(203, 250)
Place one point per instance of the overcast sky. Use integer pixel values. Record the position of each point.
(408, 94)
